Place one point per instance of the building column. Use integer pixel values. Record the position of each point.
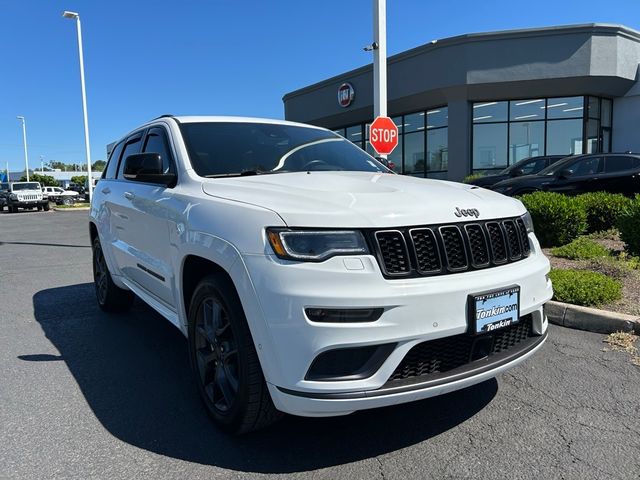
(459, 139)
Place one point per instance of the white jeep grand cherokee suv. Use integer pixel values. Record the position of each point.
(306, 276)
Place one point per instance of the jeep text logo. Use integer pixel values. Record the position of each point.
(469, 212)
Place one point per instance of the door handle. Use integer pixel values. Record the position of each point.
(129, 195)
(106, 190)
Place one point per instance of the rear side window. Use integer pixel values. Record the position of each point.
(534, 166)
(112, 165)
(620, 164)
(130, 148)
(157, 142)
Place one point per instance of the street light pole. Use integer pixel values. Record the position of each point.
(379, 49)
(24, 138)
(76, 16)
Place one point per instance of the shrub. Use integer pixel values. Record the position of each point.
(582, 287)
(581, 248)
(629, 225)
(472, 177)
(557, 219)
(603, 209)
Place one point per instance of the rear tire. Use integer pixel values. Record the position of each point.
(224, 361)
(67, 201)
(110, 297)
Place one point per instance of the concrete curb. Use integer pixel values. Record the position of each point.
(81, 209)
(590, 319)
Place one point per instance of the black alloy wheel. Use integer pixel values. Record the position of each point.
(216, 354)
(111, 298)
(224, 360)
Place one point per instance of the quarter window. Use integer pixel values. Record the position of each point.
(112, 165)
(620, 164)
(131, 147)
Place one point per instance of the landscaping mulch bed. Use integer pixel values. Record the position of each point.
(630, 278)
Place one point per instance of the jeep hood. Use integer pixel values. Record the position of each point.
(361, 199)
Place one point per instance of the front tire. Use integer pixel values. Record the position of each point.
(224, 361)
(46, 207)
(110, 297)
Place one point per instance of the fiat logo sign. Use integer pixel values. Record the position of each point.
(346, 94)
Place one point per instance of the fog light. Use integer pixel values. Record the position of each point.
(343, 315)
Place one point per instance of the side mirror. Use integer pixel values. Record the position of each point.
(566, 173)
(518, 172)
(147, 168)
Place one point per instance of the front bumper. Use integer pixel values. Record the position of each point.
(415, 310)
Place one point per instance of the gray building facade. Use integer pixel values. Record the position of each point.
(480, 102)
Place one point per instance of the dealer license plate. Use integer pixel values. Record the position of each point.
(494, 310)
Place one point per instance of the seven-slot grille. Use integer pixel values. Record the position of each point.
(443, 249)
(27, 197)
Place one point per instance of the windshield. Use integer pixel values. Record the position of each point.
(26, 186)
(556, 167)
(221, 149)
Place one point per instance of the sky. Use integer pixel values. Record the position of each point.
(145, 58)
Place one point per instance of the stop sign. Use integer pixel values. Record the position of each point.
(383, 135)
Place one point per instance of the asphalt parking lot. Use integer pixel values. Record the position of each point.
(89, 395)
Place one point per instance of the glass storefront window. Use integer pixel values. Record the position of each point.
(593, 106)
(354, 134)
(438, 117)
(489, 146)
(414, 122)
(565, 107)
(437, 150)
(340, 131)
(413, 153)
(484, 112)
(593, 128)
(606, 112)
(396, 157)
(564, 137)
(526, 139)
(526, 110)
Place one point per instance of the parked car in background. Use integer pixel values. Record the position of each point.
(4, 187)
(306, 278)
(26, 195)
(527, 166)
(60, 196)
(607, 172)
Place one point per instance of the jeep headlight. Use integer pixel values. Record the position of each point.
(528, 222)
(13, 196)
(315, 245)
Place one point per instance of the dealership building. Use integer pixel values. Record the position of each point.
(480, 102)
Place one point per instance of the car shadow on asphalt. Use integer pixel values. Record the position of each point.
(134, 372)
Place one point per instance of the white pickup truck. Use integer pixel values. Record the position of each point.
(307, 277)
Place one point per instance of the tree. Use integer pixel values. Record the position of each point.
(79, 179)
(44, 180)
(98, 165)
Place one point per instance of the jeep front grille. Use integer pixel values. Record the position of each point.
(444, 249)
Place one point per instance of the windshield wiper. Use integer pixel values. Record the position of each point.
(244, 173)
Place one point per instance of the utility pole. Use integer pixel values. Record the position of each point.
(75, 16)
(379, 49)
(24, 138)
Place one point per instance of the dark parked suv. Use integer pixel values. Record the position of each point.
(527, 166)
(609, 172)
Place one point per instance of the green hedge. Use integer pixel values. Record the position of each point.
(472, 177)
(628, 223)
(557, 219)
(582, 287)
(603, 209)
(581, 248)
